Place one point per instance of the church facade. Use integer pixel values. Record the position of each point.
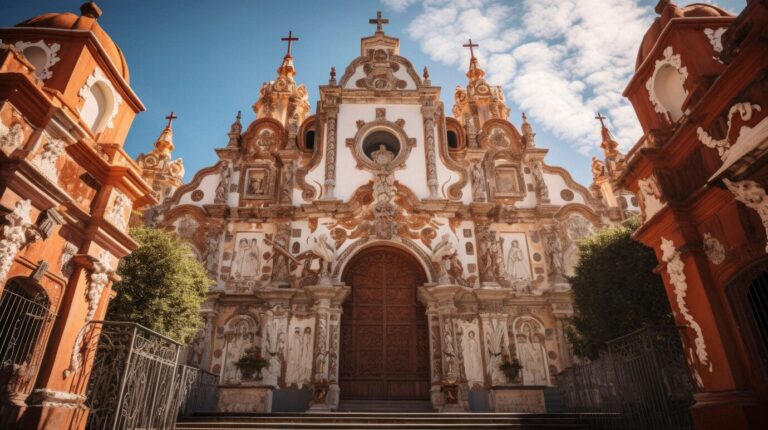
(381, 247)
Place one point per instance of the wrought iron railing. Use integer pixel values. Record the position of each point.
(24, 327)
(642, 376)
(137, 383)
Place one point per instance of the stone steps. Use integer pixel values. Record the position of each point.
(385, 406)
(400, 420)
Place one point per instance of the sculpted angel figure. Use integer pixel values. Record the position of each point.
(222, 188)
(518, 269)
(11, 137)
(382, 156)
(441, 256)
(324, 249)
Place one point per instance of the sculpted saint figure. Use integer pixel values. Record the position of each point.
(518, 269)
(441, 256)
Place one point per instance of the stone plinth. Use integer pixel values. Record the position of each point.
(245, 399)
(518, 398)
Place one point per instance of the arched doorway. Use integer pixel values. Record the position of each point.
(384, 348)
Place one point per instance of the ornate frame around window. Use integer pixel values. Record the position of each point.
(268, 192)
(363, 161)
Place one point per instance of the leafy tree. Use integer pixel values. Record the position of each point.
(615, 290)
(162, 285)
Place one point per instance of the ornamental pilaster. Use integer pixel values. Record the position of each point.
(428, 113)
(327, 302)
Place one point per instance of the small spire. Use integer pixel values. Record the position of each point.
(528, 134)
(474, 72)
(234, 132)
(286, 68)
(608, 144)
(164, 143)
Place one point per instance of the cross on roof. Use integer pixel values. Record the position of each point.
(471, 45)
(170, 119)
(378, 21)
(601, 118)
(289, 39)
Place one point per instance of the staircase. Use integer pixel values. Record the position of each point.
(385, 406)
(398, 420)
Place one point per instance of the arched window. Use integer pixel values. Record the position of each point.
(24, 313)
(453, 140)
(37, 56)
(100, 102)
(309, 140)
(374, 141)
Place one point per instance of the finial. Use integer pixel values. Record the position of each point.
(426, 73)
(601, 118)
(238, 115)
(525, 118)
(90, 10)
(529, 137)
(379, 22)
(332, 80)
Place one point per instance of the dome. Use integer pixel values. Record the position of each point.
(87, 21)
(669, 10)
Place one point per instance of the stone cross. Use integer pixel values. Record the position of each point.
(471, 45)
(289, 39)
(378, 21)
(601, 118)
(170, 119)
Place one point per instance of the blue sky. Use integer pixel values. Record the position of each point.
(559, 60)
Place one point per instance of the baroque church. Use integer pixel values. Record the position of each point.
(381, 247)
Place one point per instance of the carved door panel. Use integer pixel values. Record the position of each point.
(384, 344)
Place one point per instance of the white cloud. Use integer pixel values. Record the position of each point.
(560, 61)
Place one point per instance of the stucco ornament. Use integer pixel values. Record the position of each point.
(714, 249)
(18, 232)
(723, 146)
(51, 52)
(11, 137)
(668, 59)
(715, 38)
(753, 196)
(542, 191)
(675, 270)
(117, 214)
(478, 183)
(46, 160)
(97, 282)
(650, 196)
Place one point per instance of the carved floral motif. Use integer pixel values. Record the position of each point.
(18, 232)
(723, 146)
(714, 249)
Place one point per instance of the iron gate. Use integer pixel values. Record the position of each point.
(136, 382)
(643, 376)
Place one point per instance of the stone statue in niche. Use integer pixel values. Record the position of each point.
(286, 190)
(517, 267)
(222, 190)
(382, 156)
(541, 186)
(187, 226)
(530, 347)
(212, 250)
(553, 249)
(281, 266)
(478, 182)
(247, 260)
(238, 342)
(441, 258)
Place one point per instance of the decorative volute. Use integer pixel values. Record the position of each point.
(161, 173)
(282, 99)
(480, 100)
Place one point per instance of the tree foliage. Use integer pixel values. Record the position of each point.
(615, 290)
(162, 285)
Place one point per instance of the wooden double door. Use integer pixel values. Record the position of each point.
(384, 348)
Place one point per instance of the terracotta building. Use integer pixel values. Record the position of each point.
(700, 91)
(382, 247)
(66, 193)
